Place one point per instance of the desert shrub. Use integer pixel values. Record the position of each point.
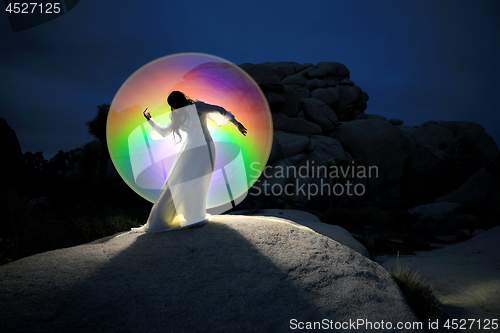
(110, 225)
(26, 230)
(88, 160)
(369, 241)
(87, 229)
(417, 292)
(82, 228)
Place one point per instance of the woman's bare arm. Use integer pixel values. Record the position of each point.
(202, 107)
(157, 132)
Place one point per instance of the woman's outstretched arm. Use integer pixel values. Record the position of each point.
(223, 119)
(157, 132)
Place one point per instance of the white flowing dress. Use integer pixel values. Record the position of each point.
(182, 201)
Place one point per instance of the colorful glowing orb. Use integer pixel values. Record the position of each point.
(144, 164)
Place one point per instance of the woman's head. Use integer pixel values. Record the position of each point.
(177, 100)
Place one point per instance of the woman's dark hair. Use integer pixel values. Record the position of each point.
(177, 100)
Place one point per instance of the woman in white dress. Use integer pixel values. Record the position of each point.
(182, 201)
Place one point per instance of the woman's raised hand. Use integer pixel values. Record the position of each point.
(242, 129)
(147, 114)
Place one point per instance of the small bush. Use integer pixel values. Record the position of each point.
(418, 293)
(26, 229)
(88, 229)
(82, 228)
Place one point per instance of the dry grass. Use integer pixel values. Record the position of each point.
(417, 291)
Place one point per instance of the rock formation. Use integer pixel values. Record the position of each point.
(319, 121)
(289, 85)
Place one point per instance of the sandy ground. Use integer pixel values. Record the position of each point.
(465, 277)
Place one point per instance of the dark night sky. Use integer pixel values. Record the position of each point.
(417, 60)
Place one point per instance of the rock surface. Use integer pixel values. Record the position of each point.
(238, 273)
(378, 116)
(328, 82)
(427, 174)
(319, 113)
(396, 121)
(481, 188)
(435, 211)
(311, 221)
(296, 125)
(376, 143)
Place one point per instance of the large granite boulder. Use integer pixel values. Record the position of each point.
(471, 137)
(319, 113)
(311, 221)
(378, 116)
(416, 164)
(286, 83)
(296, 79)
(347, 97)
(291, 107)
(406, 132)
(237, 273)
(297, 125)
(329, 96)
(396, 121)
(427, 175)
(478, 142)
(292, 155)
(301, 92)
(329, 146)
(435, 211)
(287, 144)
(446, 154)
(482, 188)
(276, 100)
(446, 135)
(327, 69)
(287, 68)
(433, 135)
(375, 143)
(315, 84)
(264, 75)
